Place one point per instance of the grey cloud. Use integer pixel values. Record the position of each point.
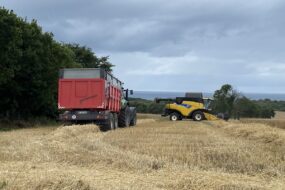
(240, 42)
(115, 23)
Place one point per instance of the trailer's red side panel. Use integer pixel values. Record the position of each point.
(114, 99)
(82, 94)
(88, 94)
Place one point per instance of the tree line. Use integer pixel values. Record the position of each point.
(146, 106)
(29, 63)
(228, 100)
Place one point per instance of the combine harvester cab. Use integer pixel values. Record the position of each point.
(192, 106)
(94, 95)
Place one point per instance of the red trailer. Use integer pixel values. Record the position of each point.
(94, 95)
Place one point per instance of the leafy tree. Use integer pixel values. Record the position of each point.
(227, 100)
(244, 107)
(29, 63)
(273, 104)
(10, 41)
(224, 99)
(105, 64)
(86, 58)
(146, 106)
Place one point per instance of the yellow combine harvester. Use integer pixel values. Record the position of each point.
(192, 106)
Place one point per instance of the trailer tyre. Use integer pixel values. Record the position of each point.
(198, 116)
(116, 121)
(109, 125)
(124, 117)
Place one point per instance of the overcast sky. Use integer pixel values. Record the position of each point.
(181, 45)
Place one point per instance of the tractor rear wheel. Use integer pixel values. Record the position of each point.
(198, 116)
(174, 116)
(124, 117)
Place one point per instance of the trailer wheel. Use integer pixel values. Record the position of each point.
(109, 125)
(174, 116)
(198, 116)
(116, 120)
(124, 117)
(134, 119)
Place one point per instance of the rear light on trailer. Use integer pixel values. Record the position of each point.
(100, 117)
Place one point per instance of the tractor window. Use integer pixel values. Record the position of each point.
(81, 73)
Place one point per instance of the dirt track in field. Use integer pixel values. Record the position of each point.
(157, 154)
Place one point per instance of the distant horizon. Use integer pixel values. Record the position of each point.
(282, 93)
(150, 95)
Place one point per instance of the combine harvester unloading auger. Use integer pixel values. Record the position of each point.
(192, 106)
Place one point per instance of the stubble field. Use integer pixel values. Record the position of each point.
(156, 154)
